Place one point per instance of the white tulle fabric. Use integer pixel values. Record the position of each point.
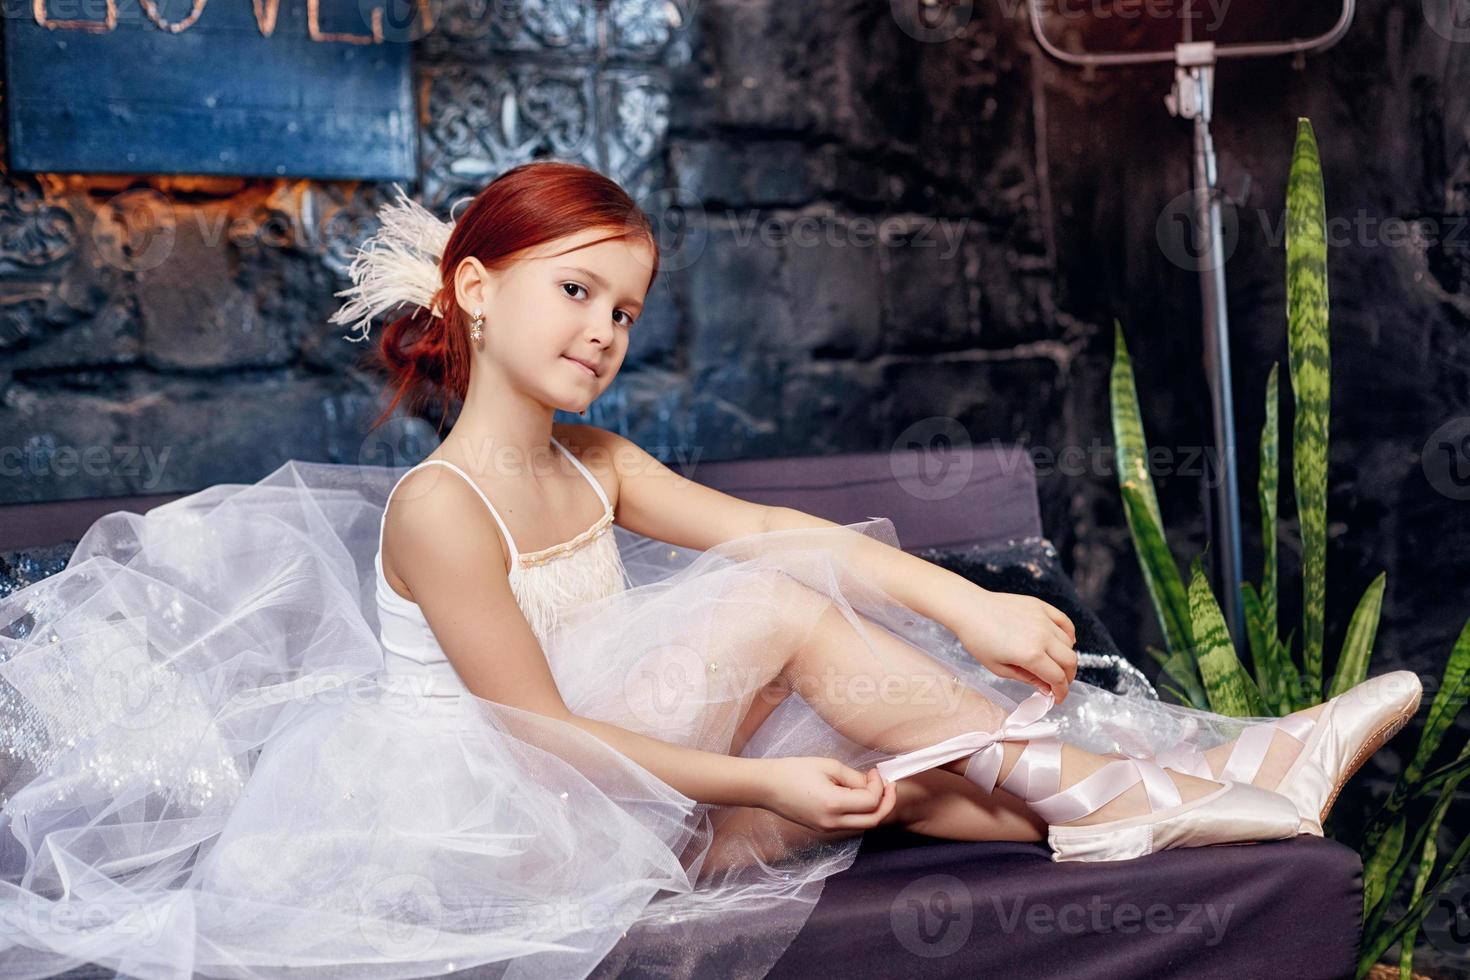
(211, 763)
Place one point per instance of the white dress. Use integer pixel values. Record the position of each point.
(228, 747)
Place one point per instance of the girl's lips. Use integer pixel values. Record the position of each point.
(579, 364)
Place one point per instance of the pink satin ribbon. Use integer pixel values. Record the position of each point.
(1023, 724)
(1184, 756)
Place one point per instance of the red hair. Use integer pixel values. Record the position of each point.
(523, 208)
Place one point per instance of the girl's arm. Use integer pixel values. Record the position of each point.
(929, 589)
(709, 777)
(656, 502)
(1015, 636)
(449, 552)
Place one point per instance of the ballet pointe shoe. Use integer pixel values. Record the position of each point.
(1352, 726)
(1232, 814)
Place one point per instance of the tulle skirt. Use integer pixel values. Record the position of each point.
(206, 769)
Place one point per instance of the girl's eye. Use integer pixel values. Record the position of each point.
(575, 285)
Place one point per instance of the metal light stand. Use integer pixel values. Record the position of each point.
(1192, 97)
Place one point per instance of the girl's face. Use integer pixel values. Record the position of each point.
(565, 302)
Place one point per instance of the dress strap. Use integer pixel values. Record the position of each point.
(515, 559)
(596, 485)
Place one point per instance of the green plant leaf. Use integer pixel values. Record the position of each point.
(1379, 839)
(1141, 503)
(1293, 676)
(1176, 665)
(1130, 446)
(1352, 663)
(1165, 588)
(1434, 781)
(1406, 945)
(1230, 689)
(1182, 697)
(1268, 668)
(1413, 781)
(1378, 864)
(1255, 635)
(1276, 674)
(1377, 938)
(1448, 701)
(1310, 363)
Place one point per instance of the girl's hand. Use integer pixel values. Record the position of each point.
(1019, 637)
(823, 794)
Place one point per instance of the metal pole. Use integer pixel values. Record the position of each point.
(1208, 243)
(1194, 76)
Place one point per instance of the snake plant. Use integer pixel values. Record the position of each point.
(1200, 665)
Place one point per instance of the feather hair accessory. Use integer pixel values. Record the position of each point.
(398, 264)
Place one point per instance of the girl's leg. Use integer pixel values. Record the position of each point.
(880, 691)
(936, 802)
(883, 692)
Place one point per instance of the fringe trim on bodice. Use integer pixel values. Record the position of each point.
(590, 569)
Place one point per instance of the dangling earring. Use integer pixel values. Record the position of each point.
(477, 320)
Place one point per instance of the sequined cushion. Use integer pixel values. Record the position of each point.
(1031, 566)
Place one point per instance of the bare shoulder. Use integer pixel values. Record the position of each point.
(435, 510)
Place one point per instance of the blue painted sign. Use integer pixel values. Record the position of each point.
(307, 88)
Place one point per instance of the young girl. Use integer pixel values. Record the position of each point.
(539, 690)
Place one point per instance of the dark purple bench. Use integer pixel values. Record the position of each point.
(917, 906)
